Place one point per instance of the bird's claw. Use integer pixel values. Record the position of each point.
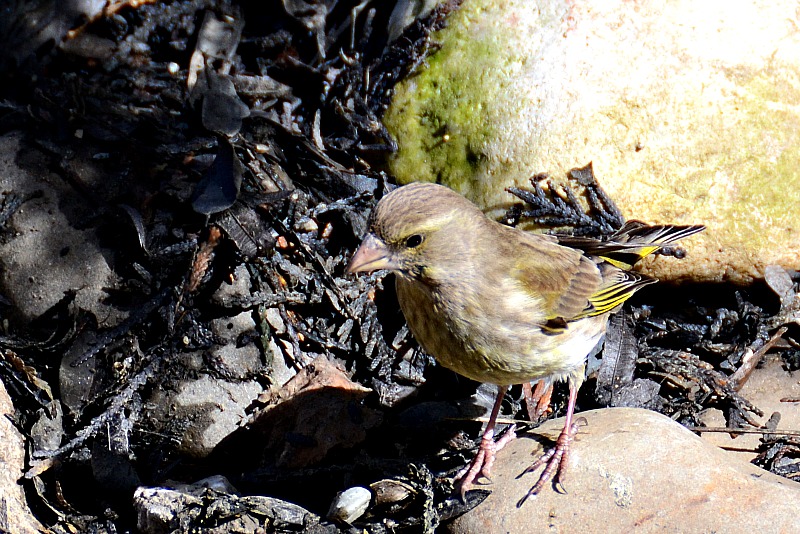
(555, 461)
(481, 465)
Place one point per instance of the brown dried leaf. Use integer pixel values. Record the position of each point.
(319, 409)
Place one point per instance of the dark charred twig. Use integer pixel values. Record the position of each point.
(599, 202)
(340, 302)
(115, 333)
(752, 359)
(558, 205)
(119, 403)
(269, 300)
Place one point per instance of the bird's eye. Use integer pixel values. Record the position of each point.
(413, 241)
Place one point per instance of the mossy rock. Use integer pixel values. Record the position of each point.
(690, 113)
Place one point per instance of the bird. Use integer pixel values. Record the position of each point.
(502, 305)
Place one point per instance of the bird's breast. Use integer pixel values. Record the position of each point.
(493, 338)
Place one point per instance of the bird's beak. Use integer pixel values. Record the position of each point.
(372, 255)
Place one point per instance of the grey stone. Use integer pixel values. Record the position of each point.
(239, 361)
(237, 289)
(204, 408)
(194, 508)
(47, 255)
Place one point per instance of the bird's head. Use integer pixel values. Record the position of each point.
(414, 229)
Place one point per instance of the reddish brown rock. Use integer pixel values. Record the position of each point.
(633, 470)
(14, 513)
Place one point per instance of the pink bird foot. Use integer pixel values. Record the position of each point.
(555, 461)
(481, 465)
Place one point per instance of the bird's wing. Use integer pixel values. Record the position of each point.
(571, 285)
(618, 286)
(563, 279)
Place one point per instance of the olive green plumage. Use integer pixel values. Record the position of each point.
(494, 303)
(501, 305)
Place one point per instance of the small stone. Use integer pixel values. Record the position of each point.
(203, 411)
(237, 289)
(307, 225)
(633, 470)
(350, 504)
(204, 408)
(273, 317)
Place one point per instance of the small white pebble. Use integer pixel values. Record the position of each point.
(350, 504)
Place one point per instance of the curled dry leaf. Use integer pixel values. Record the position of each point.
(319, 409)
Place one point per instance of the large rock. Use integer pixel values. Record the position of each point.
(48, 249)
(14, 513)
(203, 409)
(688, 111)
(633, 470)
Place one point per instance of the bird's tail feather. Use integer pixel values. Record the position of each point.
(634, 241)
(620, 251)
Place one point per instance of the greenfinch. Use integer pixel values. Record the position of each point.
(501, 305)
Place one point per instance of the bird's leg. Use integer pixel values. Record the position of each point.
(482, 463)
(556, 459)
(537, 401)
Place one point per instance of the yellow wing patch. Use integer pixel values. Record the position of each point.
(610, 297)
